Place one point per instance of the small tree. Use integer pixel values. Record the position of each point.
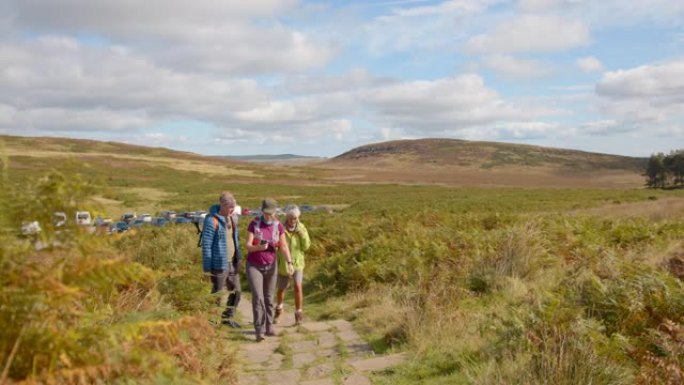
(676, 167)
(656, 173)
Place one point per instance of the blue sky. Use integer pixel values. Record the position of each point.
(321, 77)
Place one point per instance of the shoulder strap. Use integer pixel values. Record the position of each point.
(274, 230)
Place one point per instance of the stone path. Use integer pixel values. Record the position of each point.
(313, 353)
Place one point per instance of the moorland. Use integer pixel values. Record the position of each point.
(487, 263)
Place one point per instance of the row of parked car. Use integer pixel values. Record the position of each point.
(59, 219)
(132, 220)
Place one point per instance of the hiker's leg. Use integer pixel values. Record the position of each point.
(281, 284)
(269, 286)
(298, 279)
(256, 284)
(218, 283)
(233, 285)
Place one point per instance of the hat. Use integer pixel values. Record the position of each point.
(269, 206)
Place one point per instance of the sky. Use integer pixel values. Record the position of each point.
(319, 78)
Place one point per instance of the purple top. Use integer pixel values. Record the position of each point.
(265, 231)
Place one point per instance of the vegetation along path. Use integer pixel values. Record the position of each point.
(313, 353)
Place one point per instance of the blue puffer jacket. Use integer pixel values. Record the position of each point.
(214, 247)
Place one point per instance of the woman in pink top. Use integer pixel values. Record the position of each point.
(265, 236)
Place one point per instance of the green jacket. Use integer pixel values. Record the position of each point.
(298, 242)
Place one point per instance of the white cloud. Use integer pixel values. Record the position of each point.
(423, 27)
(447, 104)
(601, 127)
(511, 131)
(58, 77)
(355, 79)
(531, 33)
(611, 12)
(139, 18)
(589, 64)
(645, 96)
(229, 37)
(661, 83)
(546, 5)
(68, 119)
(517, 68)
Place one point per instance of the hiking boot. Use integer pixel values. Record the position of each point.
(270, 331)
(259, 338)
(298, 317)
(278, 313)
(231, 323)
(228, 313)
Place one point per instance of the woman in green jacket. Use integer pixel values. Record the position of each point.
(298, 242)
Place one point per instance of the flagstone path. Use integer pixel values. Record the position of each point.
(313, 353)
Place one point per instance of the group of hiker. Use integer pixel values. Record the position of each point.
(275, 256)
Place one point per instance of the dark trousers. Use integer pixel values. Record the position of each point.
(262, 282)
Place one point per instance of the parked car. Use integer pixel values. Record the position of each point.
(59, 219)
(146, 217)
(169, 214)
(199, 216)
(186, 214)
(246, 211)
(138, 223)
(128, 217)
(306, 208)
(180, 220)
(255, 213)
(119, 227)
(159, 221)
(83, 218)
(99, 221)
(30, 228)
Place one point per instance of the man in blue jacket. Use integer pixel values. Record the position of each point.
(221, 253)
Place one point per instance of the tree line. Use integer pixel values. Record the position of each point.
(665, 171)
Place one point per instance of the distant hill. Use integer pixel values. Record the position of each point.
(446, 162)
(67, 146)
(277, 159)
(455, 162)
(482, 155)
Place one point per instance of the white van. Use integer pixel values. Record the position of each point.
(83, 218)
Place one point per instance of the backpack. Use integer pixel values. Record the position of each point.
(199, 230)
(275, 234)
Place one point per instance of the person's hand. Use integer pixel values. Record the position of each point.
(290, 269)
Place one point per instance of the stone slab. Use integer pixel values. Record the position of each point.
(378, 363)
(326, 340)
(248, 379)
(304, 346)
(282, 377)
(316, 326)
(324, 381)
(359, 349)
(301, 359)
(356, 379)
(341, 325)
(320, 371)
(349, 336)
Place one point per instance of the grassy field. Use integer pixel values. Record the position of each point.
(480, 285)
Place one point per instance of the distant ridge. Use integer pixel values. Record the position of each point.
(279, 158)
(482, 155)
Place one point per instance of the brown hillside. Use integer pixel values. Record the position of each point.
(460, 162)
(486, 155)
